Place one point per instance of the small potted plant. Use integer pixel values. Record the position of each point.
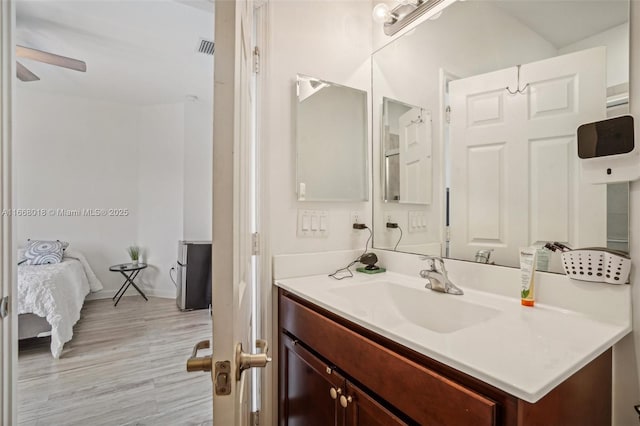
(134, 254)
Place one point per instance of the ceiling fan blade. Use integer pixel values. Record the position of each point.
(50, 58)
(24, 74)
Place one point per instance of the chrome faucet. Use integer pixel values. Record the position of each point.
(483, 255)
(436, 276)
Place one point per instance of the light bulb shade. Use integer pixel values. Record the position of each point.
(381, 13)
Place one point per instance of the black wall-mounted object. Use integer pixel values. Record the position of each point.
(607, 137)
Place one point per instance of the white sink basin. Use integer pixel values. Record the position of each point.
(392, 305)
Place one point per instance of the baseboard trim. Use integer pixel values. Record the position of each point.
(102, 294)
(108, 294)
(164, 294)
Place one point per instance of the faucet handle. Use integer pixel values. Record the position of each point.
(435, 261)
(432, 263)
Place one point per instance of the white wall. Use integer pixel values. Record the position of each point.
(198, 152)
(160, 192)
(616, 40)
(330, 41)
(74, 153)
(155, 161)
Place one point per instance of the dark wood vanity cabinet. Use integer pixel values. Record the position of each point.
(334, 372)
(318, 395)
(363, 410)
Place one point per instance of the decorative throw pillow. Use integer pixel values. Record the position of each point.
(38, 252)
(65, 244)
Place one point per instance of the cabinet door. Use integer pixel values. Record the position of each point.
(362, 410)
(309, 389)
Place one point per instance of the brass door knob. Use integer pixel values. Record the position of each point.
(195, 363)
(345, 400)
(335, 392)
(245, 361)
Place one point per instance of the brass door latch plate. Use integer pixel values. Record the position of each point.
(222, 378)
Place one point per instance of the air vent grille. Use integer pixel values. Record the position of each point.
(206, 47)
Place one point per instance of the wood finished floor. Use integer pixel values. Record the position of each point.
(124, 366)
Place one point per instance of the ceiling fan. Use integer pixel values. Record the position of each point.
(24, 74)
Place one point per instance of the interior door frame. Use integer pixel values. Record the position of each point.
(8, 325)
(269, 385)
(445, 76)
(226, 166)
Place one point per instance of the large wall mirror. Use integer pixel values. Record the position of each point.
(331, 141)
(474, 129)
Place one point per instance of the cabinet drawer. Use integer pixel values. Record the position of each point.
(394, 378)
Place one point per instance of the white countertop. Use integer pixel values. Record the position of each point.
(521, 350)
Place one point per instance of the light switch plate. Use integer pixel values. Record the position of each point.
(417, 221)
(313, 223)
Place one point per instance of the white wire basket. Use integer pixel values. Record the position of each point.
(597, 265)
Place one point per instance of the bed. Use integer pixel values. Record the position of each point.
(50, 298)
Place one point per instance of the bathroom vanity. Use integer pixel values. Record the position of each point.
(385, 351)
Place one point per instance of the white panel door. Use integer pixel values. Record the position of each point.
(415, 157)
(564, 92)
(234, 283)
(515, 172)
(486, 158)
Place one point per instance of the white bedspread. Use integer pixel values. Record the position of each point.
(57, 292)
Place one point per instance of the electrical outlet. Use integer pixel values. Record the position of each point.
(393, 217)
(390, 218)
(356, 217)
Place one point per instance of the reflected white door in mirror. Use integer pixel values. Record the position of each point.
(519, 150)
(407, 153)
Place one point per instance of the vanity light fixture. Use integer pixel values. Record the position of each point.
(406, 12)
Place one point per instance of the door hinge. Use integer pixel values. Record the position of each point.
(254, 420)
(447, 114)
(4, 307)
(256, 60)
(255, 243)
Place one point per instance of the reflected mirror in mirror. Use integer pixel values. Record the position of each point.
(506, 84)
(407, 138)
(331, 141)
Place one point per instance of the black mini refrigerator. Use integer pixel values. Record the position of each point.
(193, 275)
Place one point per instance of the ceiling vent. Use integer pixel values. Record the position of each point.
(206, 47)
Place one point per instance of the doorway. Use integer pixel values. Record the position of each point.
(131, 137)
